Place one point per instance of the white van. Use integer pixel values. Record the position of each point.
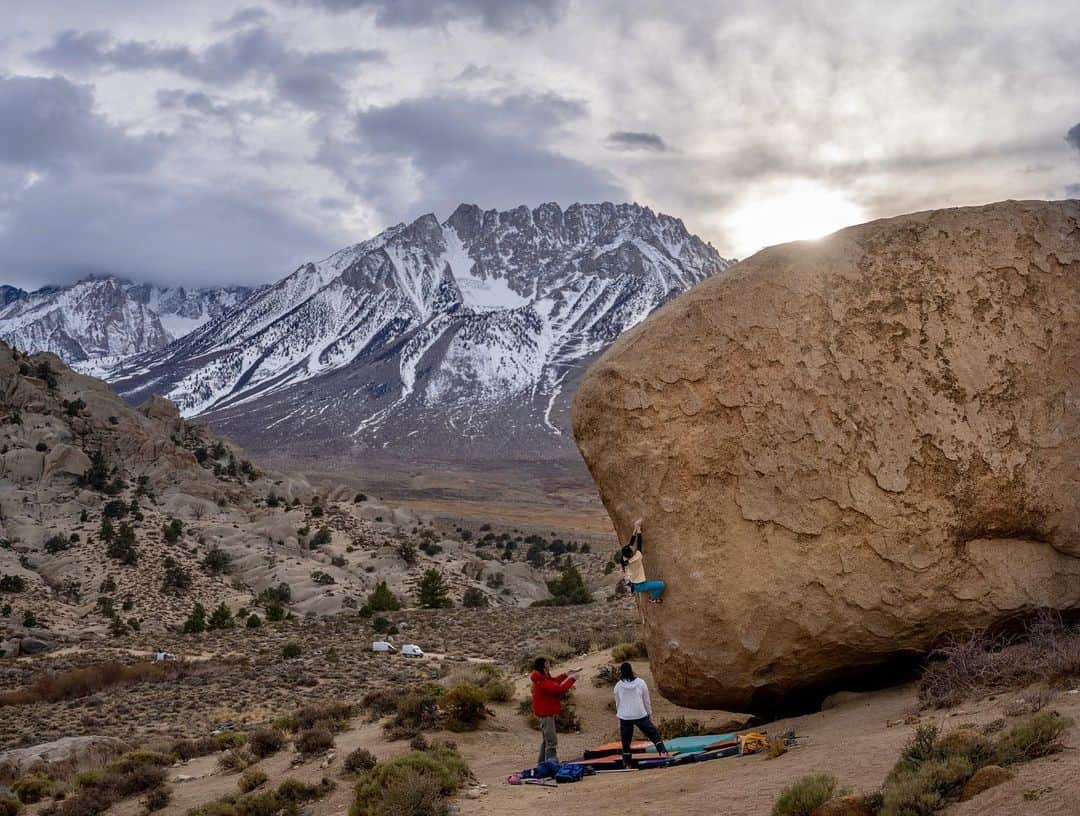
(382, 646)
(412, 650)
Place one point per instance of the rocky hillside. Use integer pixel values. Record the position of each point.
(113, 517)
(97, 322)
(460, 338)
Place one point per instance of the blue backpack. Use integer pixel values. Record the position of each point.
(569, 773)
(545, 770)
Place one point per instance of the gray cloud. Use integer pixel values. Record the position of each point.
(1072, 191)
(456, 149)
(637, 140)
(1073, 136)
(250, 15)
(50, 123)
(310, 79)
(62, 229)
(497, 15)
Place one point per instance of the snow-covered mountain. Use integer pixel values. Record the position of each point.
(462, 338)
(96, 323)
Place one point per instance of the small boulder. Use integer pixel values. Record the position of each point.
(984, 779)
(33, 645)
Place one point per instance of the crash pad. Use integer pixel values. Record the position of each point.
(690, 745)
(615, 748)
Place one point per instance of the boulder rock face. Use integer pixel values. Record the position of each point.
(844, 450)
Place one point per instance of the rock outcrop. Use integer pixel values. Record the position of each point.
(846, 449)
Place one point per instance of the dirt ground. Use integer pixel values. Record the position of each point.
(852, 740)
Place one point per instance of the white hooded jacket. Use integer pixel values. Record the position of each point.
(632, 701)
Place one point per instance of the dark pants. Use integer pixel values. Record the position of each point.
(626, 734)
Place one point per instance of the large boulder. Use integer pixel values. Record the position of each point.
(846, 449)
(63, 756)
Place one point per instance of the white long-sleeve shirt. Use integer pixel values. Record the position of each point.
(632, 700)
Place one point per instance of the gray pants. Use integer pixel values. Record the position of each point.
(549, 747)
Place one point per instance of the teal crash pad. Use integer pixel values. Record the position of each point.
(692, 745)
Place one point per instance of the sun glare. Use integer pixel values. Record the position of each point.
(789, 212)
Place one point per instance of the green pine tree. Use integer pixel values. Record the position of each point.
(196, 621)
(220, 618)
(382, 599)
(432, 592)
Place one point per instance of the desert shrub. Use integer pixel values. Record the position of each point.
(492, 680)
(32, 788)
(134, 760)
(57, 543)
(90, 779)
(220, 618)
(380, 703)
(196, 621)
(1048, 651)
(358, 761)
(235, 759)
(331, 716)
(606, 675)
(405, 784)
(415, 710)
(176, 578)
(321, 538)
(1035, 737)
(157, 798)
(216, 561)
(138, 779)
(474, 598)
(264, 742)
(190, 748)
(919, 749)
(228, 739)
(925, 789)
(12, 583)
(293, 790)
(291, 650)
(465, 706)
(681, 727)
(251, 779)
(314, 740)
(9, 806)
(804, 795)
(622, 652)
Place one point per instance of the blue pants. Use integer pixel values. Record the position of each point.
(626, 735)
(654, 588)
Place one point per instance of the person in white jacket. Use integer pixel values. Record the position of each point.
(633, 707)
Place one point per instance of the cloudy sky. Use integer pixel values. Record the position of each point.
(205, 142)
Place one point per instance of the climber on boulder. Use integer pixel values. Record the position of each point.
(634, 568)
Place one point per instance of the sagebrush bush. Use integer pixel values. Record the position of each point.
(399, 782)
(32, 788)
(806, 794)
(314, 740)
(235, 759)
(1037, 736)
(9, 806)
(264, 742)
(492, 680)
(359, 760)
(331, 716)
(191, 748)
(228, 739)
(622, 652)
(251, 779)
(157, 798)
(681, 727)
(465, 706)
(416, 710)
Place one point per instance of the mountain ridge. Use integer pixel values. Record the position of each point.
(455, 338)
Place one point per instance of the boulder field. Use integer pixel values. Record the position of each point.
(846, 450)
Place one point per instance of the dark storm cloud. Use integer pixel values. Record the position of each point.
(310, 79)
(61, 229)
(1073, 136)
(637, 140)
(497, 153)
(497, 15)
(50, 123)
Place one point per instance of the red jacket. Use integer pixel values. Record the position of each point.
(547, 693)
